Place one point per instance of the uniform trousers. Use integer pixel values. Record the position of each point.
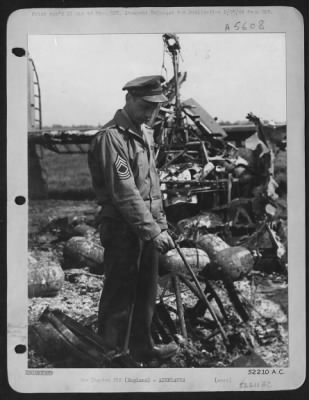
(131, 275)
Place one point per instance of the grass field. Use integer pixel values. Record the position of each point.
(68, 175)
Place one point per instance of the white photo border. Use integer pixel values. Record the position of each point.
(72, 21)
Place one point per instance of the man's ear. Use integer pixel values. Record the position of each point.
(130, 99)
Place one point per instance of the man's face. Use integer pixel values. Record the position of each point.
(143, 112)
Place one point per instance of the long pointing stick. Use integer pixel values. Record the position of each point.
(203, 296)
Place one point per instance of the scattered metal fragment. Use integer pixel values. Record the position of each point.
(172, 262)
(249, 360)
(212, 244)
(44, 279)
(266, 331)
(59, 337)
(80, 252)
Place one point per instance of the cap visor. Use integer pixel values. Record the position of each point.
(158, 98)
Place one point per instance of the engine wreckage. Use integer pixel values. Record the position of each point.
(225, 216)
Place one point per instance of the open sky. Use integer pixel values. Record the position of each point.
(81, 76)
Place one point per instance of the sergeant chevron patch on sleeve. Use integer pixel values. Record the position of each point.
(122, 168)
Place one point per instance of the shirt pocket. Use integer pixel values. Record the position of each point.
(140, 163)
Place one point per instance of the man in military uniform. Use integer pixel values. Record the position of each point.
(133, 227)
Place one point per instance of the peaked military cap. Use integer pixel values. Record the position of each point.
(149, 88)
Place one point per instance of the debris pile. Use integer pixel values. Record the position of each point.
(226, 274)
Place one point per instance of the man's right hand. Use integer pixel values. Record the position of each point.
(163, 242)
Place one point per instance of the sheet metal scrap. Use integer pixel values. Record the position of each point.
(57, 341)
(267, 331)
(62, 339)
(202, 223)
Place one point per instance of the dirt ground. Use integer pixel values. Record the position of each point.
(264, 337)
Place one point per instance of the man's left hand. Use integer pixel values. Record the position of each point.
(163, 242)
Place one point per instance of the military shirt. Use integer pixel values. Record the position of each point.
(125, 178)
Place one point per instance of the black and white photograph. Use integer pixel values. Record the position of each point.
(159, 201)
